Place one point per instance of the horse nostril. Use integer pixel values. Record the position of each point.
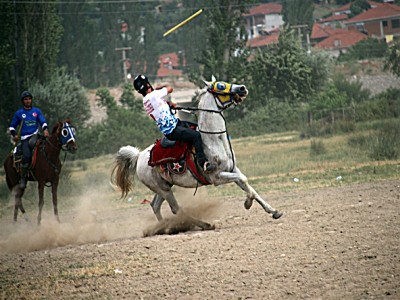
(242, 88)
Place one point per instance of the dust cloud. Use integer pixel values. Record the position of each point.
(95, 219)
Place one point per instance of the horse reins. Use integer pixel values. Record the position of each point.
(48, 160)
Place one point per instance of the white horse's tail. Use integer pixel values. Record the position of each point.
(124, 169)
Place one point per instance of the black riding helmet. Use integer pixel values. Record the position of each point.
(25, 94)
(141, 84)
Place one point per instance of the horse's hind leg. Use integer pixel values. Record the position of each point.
(156, 206)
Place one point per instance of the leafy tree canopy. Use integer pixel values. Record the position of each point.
(392, 60)
(62, 97)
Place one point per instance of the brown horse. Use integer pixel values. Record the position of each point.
(45, 167)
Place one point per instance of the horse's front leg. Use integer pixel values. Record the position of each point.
(41, 201)
(175, 208)
(241, 180)
(54, 187)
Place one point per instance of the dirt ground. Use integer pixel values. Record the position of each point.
(332, 243)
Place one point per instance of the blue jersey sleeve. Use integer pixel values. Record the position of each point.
(42, 119)
(16, 120)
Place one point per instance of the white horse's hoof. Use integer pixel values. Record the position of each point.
(248, 203)
(277, 215)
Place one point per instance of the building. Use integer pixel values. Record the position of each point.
(169, 66)
(378, 22)
(339, 41)
(263, 19)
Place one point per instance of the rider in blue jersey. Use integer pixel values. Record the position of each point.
(158, 108)
(29, 118)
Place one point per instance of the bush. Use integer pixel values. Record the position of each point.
(385, 144)
(384, 105)
(381, 144)
(62, 97)
(317, 147)
(276, 116)
(365, 49)
(352, 89)
(320, 129)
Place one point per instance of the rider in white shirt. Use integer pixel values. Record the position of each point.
(158, 108)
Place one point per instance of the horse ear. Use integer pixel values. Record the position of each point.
(208, 84)
(213, 79)
(56, 128)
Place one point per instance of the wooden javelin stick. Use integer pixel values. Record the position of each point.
(183, 22)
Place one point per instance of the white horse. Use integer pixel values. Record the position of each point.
(216, 97)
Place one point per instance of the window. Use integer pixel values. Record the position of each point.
(396, 23)
(385, 23)
(360, 27)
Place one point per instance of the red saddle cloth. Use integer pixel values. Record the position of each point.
(160, 155)
(175, 160)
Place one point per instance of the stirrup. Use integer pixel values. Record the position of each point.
(209, 167)
(23, 182)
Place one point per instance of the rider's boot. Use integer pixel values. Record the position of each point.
(24, 173)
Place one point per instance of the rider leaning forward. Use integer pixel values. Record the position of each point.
(158, 108)
(28, 118)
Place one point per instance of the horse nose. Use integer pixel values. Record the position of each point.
(243, 89)
(73, 147)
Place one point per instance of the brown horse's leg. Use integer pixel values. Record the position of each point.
(54, 186)
(41, 201)
(18, 201)
(16, 207)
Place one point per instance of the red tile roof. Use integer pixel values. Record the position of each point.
(169, 64)
(332, 18)
(263, 40)
(383, 11)
(320, 31)
(347, 6)
(265, 9)
(346, 39)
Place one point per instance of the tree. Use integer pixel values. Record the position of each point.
(298, 12)
(392, 60)
(30, 34)
(358, 7)
(365, 49)
(82, 43)
(39, 32)
(281, 71)
(128, 99)
(224, 55)
(62, 97)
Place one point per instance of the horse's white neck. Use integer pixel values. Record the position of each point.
(213, 131)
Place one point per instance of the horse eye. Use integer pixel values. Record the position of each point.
(221, 86)
(64, 132)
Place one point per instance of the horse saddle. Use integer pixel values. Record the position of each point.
(175, 157)
(34, 143)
